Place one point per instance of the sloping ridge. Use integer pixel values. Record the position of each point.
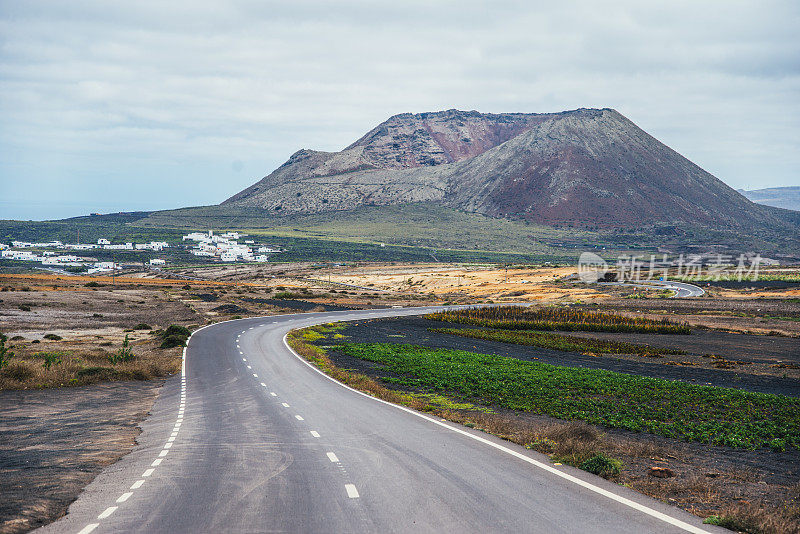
(587, 167)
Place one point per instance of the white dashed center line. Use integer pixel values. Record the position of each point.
(88, 528)
(125, 496)
(273, 393)
(156, 462)
(148, 472)
(315, 433)
(107, 512)
(298, 417)
(263, 384)
(137, 484)
(352, 492)
(285, 404)
(332, 457)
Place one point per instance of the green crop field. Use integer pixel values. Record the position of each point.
(557, 341)
(706, 414)
(557, 318)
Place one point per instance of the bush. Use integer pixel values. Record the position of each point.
(124, 353)
(187, 287)
(50, 358)
(92, 284)
(53, 337)
(176, 330)
(173, 341)
(24, 307)
(5, 352)
(602, 465)
(142, 326)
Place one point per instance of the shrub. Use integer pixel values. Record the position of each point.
(173, 341)
(17, 338)
(602, 465)
(24, 307)
(92, 284)
(124, 354)
(176, 330)
(187, 287)
(142, 326)
(53, 337)
(5, 352)
(50, 358)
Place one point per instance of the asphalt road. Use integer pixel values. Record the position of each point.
(681, 289)
(250, 438)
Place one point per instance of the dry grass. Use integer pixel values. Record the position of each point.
(78, 363)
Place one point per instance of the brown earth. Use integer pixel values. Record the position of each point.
(53, 442)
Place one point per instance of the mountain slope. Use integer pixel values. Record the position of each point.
(587, 168)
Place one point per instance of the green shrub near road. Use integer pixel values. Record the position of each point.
(707, 414)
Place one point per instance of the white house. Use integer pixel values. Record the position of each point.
(157, 261)
(103, 241)
(227, 256)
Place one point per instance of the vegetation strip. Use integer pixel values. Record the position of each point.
(557, 341)
(721, 416)
(557, 318)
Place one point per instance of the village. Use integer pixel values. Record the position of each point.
(223, 248)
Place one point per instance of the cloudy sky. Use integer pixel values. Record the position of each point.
(108, 106)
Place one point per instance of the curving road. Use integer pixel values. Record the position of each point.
(250, 438)
(681, 289)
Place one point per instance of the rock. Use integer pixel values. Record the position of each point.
(711, 475)
(661, 472)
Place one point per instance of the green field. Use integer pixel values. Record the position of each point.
(720, 416)
(556, 341)
(557, 318)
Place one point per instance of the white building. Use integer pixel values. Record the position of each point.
(103, 241)
(157, 261)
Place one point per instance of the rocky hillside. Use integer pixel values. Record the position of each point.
(588, 168)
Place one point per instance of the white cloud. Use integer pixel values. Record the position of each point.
(98, 96)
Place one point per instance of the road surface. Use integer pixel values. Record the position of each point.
(681, 289)
(250, 438)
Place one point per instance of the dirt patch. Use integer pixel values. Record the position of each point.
(54, 442)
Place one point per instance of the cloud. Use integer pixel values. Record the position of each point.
(155, 102)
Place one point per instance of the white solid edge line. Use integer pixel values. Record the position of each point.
(352, 492)
(550, 469)
(88, 528)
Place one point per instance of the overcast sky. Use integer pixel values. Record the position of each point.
(108, 106)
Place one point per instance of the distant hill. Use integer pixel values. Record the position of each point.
(590, 168)
(778, 197)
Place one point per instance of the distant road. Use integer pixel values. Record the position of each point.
(250, 438)
(681, 289)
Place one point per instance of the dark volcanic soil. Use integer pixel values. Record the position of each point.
(53, 442)
(414, 330)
